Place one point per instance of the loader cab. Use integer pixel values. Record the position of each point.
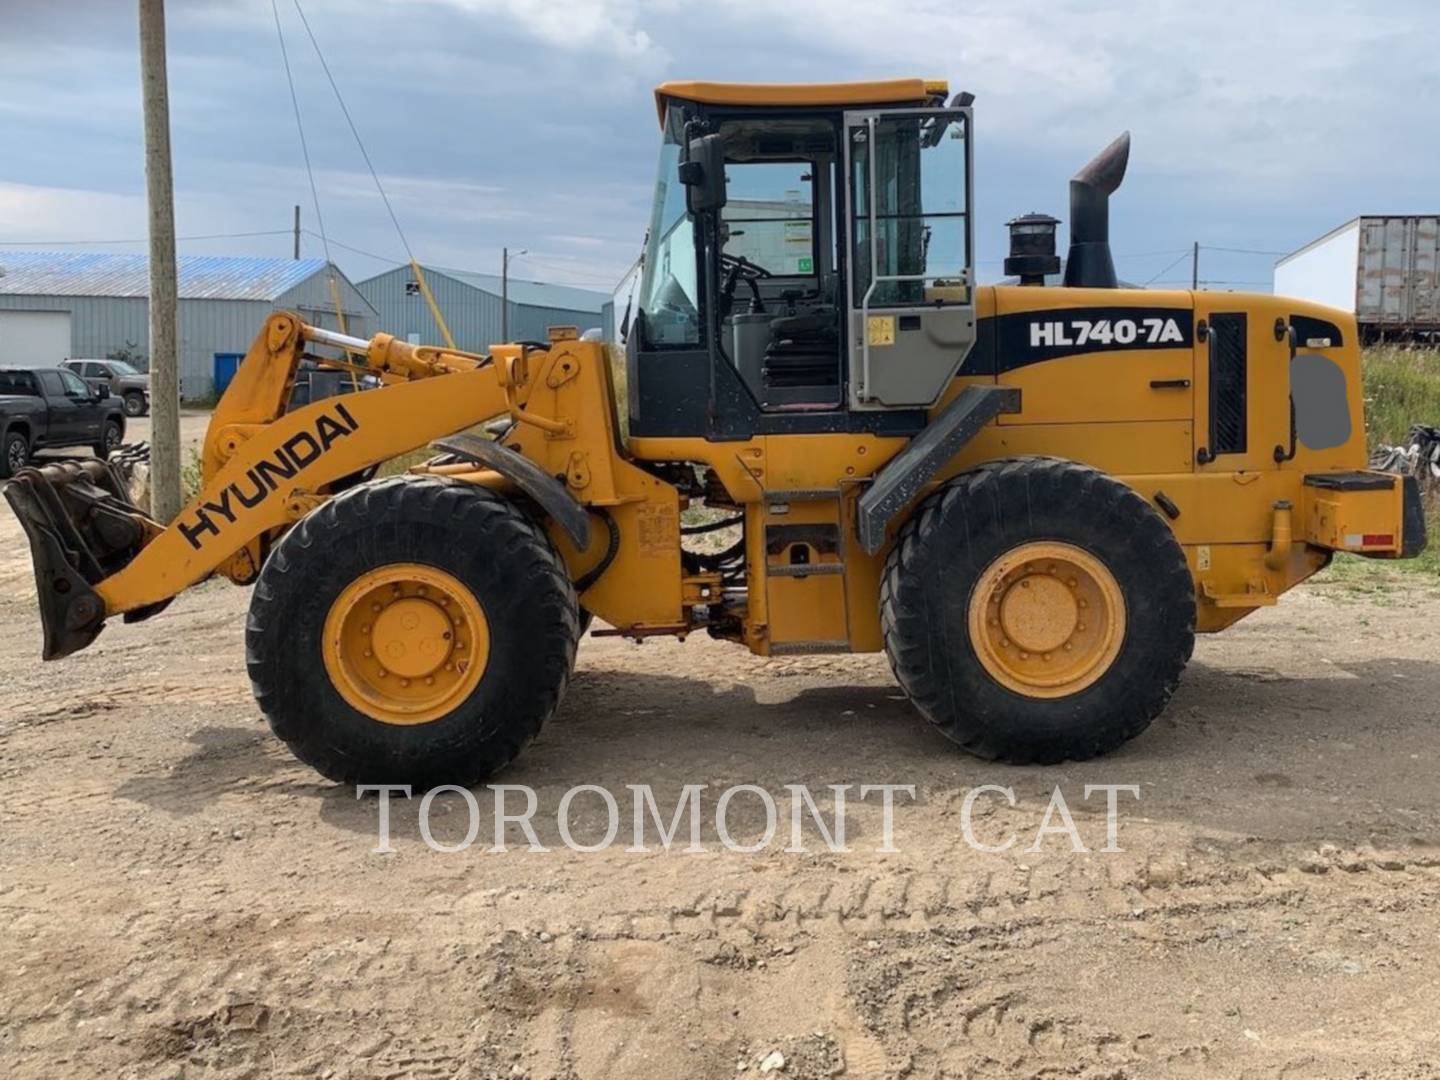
(808, 266)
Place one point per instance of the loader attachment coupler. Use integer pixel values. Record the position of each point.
(82, 526)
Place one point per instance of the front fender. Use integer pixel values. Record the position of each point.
(552, 496)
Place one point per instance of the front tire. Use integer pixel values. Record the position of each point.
(411, 631)
(135, 404)
(110, 438)
(1037, 610)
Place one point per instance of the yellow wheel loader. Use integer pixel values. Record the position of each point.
(1031, 496)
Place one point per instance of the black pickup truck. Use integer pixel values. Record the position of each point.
(51, 408)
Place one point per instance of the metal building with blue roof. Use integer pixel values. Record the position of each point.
(470, 304)
(56, 306)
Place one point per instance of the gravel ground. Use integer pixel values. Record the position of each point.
(181, 898)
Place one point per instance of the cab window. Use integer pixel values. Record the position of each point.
(917, 219)
(770, 216)
(18, 382)
(74, 385)
(669, 298)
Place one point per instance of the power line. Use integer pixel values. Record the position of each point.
(1205, 281)
(359, 142)
(300, 127)
(1241, 251)
(594, 277)
(1150, 254)
(1118, 255)
(1181, 258)
(579, 280)
(139, 240)
(355, 250)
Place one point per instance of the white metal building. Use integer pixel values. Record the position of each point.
(56, 306)
(470, 304)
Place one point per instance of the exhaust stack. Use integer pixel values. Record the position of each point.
(1090, 264)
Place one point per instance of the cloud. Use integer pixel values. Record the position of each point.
(572, 240)
(35, 214)
(527, 124)
(1230, 87)
(579, 26)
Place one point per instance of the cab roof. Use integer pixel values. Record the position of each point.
(800, 95)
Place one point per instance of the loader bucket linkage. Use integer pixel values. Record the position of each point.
(82, 526)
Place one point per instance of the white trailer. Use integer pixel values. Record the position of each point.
(1383, 269)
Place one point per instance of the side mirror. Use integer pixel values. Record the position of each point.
(102, 391)
(703, 174)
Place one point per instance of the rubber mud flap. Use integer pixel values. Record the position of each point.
(1412, 520)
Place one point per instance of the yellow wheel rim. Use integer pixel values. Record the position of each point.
(406, 643)
(1047, 619)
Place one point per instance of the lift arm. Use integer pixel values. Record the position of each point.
(96, 554)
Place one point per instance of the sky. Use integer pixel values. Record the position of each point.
(1257, 126)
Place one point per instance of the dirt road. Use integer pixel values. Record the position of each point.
(180, 898)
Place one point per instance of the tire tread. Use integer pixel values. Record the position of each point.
(947, 534)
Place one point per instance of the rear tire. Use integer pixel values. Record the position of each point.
(1088, 545)
(498, 560)
(16, 454)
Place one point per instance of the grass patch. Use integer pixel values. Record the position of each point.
(192, 475)
(397, 465)
(1402, 388)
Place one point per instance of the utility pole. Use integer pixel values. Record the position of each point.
(165, 489)
(1195, 266)
(297, 230)
(505, 291)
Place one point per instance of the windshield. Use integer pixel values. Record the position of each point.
(669, 294)
(120, 367)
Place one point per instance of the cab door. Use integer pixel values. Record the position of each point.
(909, 280)
(84, 417)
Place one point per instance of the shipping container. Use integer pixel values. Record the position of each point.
(1381, 268)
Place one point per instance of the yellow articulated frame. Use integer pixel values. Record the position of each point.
(570, 391)
(1249, 527)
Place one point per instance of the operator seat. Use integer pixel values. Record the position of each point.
(803, 357)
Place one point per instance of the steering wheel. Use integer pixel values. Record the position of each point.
(739, 266)
(740, 269)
